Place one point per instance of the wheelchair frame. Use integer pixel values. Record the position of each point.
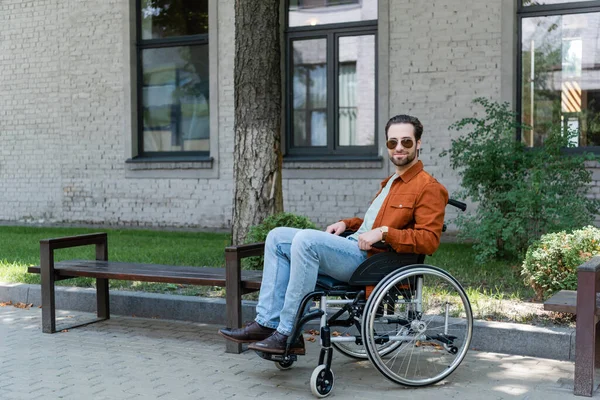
(396, 303)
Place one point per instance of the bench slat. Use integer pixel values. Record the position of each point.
(150, 273)
(566, 301)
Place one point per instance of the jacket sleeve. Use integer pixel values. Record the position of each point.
(353, 223)
(424, 237)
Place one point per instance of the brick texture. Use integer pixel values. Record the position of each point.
(63, 108)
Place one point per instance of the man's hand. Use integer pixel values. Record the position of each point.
(365, 240)
(337, 229)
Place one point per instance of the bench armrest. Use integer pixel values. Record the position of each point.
(75, 241)
(47, 247)
(233, 285)
(48, 277)
(592, 265)
(246, 250)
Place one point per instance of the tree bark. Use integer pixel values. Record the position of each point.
(257, 93)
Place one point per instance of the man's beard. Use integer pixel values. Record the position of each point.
(400, 162)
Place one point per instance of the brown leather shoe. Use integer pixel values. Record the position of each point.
(276, 344)
(252, 332)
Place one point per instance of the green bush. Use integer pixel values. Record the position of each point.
(551, 262)
(258, 233)
(522, 193)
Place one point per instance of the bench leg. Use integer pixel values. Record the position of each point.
(233, 279)
(597, 345)
(102, 300)
(48, 299)
(585, 334)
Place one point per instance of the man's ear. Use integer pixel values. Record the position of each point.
(419, 144)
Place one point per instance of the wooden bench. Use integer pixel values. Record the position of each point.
(585, 303)
(236, 281)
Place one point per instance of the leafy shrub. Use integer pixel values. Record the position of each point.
(258, 233)
(551, 262)
(522, 193)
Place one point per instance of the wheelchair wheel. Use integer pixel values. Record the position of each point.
(284, 365)
(428, 316)
(321, 381)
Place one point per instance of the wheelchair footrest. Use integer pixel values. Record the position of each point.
(443, 338)
(277, 357)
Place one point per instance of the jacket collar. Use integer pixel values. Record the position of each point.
(408, 175)
(412, 172)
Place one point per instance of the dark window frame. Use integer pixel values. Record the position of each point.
(556, 7)
(548, 10)
(331, 33)
(326, 3)
(145, 44)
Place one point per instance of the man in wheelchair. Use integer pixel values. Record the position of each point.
(407, 214)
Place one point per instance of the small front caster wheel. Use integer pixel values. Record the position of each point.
(321, 381)
(285, 364)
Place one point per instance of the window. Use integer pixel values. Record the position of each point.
(545, 2)
(173, 77)
(307, 4)
(559, 62)
(331, 78)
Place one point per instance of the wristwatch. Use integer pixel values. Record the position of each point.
(384, 231)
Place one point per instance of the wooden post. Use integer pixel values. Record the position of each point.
(233, 287)
(585, 330)
(102, 299)
(47, 275)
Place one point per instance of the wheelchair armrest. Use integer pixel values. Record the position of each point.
(383, 246)
(378, 245)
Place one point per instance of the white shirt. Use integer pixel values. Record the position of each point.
(373, 210)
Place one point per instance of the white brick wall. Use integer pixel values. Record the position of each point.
(443, 53)
(30, 108)
(63, 109)
(62, 122)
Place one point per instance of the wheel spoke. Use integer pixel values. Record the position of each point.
(424, 351)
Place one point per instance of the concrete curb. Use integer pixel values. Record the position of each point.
(496, 337)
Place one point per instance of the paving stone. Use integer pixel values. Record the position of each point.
(134, 358)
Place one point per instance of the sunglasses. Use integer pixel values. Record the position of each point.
(407, 143)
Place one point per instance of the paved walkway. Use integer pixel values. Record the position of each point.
(135, 358)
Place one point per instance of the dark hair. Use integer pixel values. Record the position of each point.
(406, 119)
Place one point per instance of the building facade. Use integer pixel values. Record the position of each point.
(121, 112)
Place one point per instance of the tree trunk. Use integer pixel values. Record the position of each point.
(257, 86)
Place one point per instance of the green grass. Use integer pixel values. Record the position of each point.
(19, 248)
(499, 279)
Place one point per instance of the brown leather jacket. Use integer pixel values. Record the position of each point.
(413, 211)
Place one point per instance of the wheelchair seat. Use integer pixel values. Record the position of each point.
(326, 282)
(370, 271)
(376, 267)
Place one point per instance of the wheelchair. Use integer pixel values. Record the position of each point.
(412, 321)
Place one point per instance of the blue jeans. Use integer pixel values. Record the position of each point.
(293, 259)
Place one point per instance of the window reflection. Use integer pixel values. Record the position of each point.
(175, 99)
(168, 18)
(321, 12)
(561, 77)
(546, 2)
(356, 74)
(309, 93)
